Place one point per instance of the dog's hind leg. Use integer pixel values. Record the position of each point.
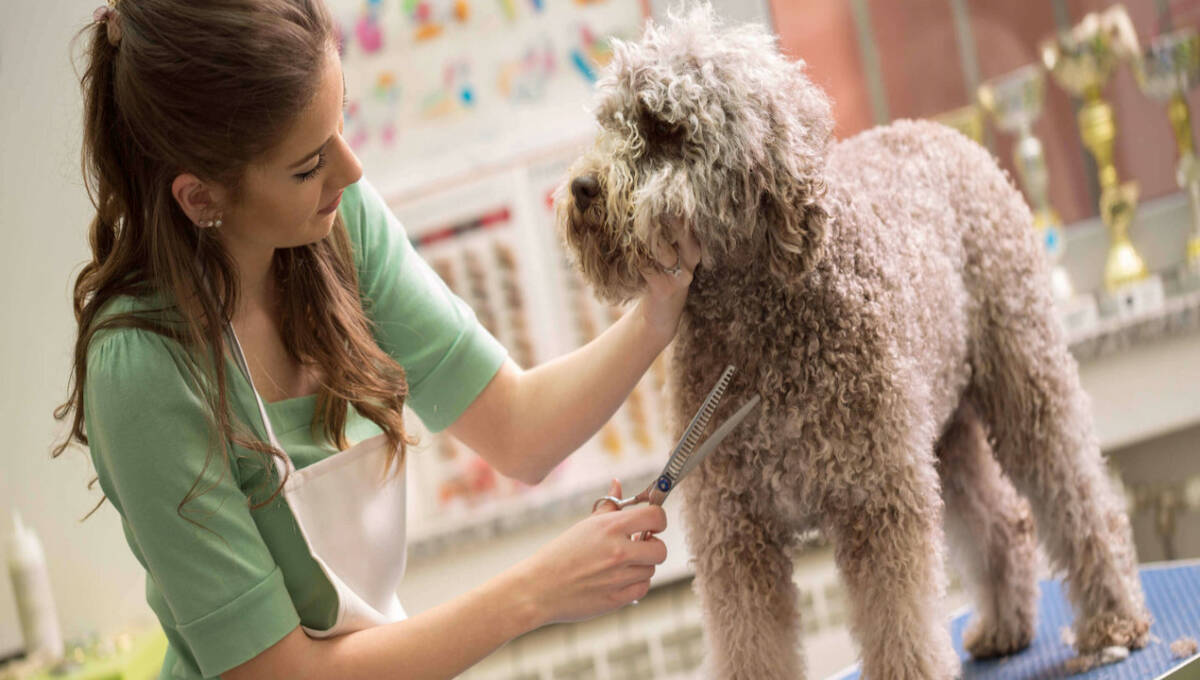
(744, 581)
(990, 531)
(1026, 388)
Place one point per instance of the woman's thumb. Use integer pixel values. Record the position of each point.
(605, 504)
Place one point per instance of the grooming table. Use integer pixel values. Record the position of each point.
(1173, 596)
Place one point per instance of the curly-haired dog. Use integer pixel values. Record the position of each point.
(887, 297)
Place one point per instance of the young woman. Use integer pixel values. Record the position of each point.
(251, 324)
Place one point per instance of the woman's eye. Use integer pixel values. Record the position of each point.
(304, 176)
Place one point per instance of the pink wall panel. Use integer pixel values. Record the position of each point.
(919, 57)
(822, 33)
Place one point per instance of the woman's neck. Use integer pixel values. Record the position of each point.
(255, 280)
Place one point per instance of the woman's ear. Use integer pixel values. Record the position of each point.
(195, 199)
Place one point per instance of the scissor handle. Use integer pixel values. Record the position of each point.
(622, 503)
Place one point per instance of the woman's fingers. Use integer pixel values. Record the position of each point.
(648, 552)
(633, 574)
(680, 247)
(689, 249)
(639, 518)
(666, 254)
(633, 592)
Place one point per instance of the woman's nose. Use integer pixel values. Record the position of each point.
(585, 188)
(350, 168)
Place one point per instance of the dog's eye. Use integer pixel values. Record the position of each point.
(664, 129)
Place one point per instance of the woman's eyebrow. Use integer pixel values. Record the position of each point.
(326, 142)
(310, 155)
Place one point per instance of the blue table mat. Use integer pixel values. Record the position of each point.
(1173, 597)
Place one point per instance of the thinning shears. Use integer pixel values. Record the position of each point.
(685, 456)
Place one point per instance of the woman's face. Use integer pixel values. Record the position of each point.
(290, 197)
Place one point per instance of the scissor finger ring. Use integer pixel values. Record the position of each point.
(607, 499)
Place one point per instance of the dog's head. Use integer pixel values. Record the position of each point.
(703, 125)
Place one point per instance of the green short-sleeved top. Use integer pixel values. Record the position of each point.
(222, 600)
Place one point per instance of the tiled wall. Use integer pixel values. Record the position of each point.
(661, 637)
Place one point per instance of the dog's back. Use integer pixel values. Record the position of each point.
(933, 224)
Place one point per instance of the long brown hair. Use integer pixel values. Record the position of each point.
(207, 88)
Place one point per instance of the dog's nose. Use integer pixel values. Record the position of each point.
(584, 188)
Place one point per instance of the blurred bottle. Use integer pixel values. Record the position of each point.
(35, 600)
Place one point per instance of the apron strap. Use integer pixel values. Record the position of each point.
(240, 357)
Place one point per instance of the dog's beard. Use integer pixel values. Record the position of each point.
(610, 264)
(614, 238)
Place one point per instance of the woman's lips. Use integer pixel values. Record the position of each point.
(332, 206)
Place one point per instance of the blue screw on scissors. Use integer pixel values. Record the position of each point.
(683, 460)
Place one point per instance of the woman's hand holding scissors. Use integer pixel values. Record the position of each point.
(593, 567)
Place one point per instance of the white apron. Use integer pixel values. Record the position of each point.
(351, 520)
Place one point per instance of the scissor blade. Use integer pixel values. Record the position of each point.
(718, 436)
(679, 456)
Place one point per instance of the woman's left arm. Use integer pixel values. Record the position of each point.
(524, 423)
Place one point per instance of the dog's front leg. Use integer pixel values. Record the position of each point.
(743, 576)
(887, 534)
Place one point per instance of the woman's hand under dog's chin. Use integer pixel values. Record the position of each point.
(662, 304)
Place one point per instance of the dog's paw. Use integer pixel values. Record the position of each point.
(1112, 630)
(985, 639)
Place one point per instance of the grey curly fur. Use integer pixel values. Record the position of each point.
(887, 297)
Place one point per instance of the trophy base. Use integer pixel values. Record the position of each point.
(1134, 299)
(1060, 284)
(1079, 314)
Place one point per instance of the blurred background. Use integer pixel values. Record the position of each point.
(466, 114)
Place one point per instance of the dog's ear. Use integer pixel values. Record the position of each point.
(794, 223)
(790, 208)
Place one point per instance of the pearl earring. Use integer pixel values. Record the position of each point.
(208, 224)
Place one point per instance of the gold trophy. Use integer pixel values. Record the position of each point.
(1081, 60)
(1167, 70)
(966, 119)
(1015, 101)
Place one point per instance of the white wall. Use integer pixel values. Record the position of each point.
(44, 214)
(735, 11)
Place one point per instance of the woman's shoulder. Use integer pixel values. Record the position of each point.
(360, 204)
(125, 343)
(379, 241)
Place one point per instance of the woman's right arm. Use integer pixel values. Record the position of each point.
(218, 589)
(590, 569)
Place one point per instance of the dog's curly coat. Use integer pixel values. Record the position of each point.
(887, 297)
